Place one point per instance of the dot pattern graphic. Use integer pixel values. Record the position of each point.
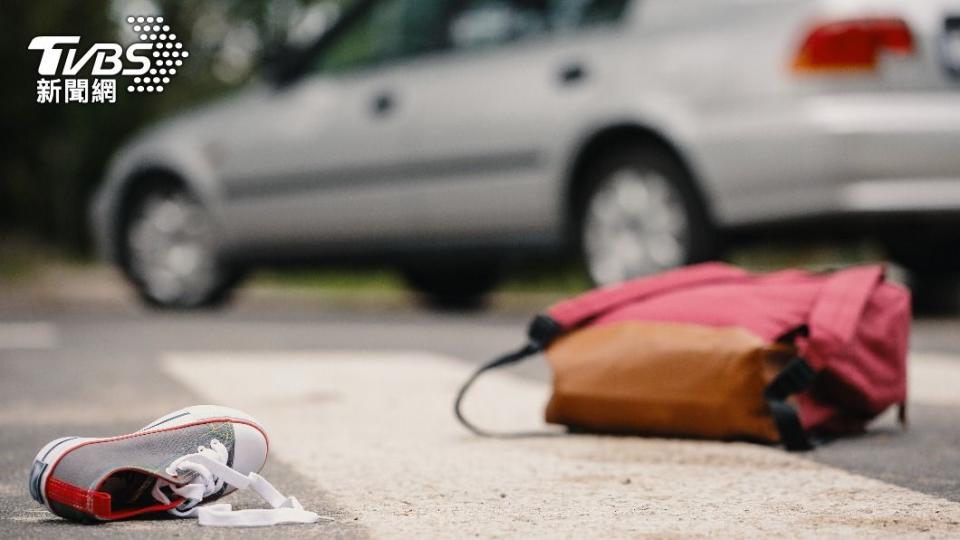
(167, 52)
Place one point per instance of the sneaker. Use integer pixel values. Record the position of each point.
(188, 457)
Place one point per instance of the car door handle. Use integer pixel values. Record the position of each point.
(382, 104)
(572, 73)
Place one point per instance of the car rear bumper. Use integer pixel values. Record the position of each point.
(896, 137)
(901, 195)
(849, 154)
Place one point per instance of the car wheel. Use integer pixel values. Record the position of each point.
(640, 214)
(453, 287)
(925, 252)
(169, 250)
(934, 293)
(934, 271)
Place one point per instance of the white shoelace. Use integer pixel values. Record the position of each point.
(210, 472)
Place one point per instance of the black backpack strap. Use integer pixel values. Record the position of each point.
(527, 350)
(542, 331)
(796, 377)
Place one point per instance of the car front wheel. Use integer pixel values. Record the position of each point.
(169, 250)
(640, 215)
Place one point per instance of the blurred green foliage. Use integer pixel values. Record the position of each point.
(54, 155)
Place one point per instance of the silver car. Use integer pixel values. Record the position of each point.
(452, 136)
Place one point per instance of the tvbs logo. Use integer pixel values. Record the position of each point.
(150, 62)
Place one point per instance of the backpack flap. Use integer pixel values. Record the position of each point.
(837, 311)
(859, 329)
(578, 310)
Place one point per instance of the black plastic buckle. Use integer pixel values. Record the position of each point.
(543, 330)
(795, 377)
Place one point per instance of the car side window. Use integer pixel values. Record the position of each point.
(576, 14)
(482, 23)
(388, 30)
(395, 29)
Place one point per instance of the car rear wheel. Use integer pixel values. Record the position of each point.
(169, 250)
(453, 287)
(640, 214)
(933, 264)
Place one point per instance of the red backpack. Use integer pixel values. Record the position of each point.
(847, 332)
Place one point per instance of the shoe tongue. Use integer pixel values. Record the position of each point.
(180, 479)
(142, 487)
(129, 489)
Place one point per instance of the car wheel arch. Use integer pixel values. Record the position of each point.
(601, 140)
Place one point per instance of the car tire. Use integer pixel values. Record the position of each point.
(640, 213)
(933, 266)
(934, 294)
(168, 250)
(453, 287)
(925, 252)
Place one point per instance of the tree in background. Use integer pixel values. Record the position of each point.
(53, 156)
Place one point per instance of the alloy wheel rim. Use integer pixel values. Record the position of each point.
(170, 242)
(635, 224)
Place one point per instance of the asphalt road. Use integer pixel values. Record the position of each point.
(95, 369)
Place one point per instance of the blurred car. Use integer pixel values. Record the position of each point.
(449, 136)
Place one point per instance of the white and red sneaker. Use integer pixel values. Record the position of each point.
(176, 463)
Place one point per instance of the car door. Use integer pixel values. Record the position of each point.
(493, 116)
(310, 166)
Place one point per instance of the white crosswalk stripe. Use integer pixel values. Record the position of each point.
(375, 430)
(934, 379)
(28, 335)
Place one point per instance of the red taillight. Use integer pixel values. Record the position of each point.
(852, 44)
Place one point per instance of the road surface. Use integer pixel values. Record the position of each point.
(358, 404)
